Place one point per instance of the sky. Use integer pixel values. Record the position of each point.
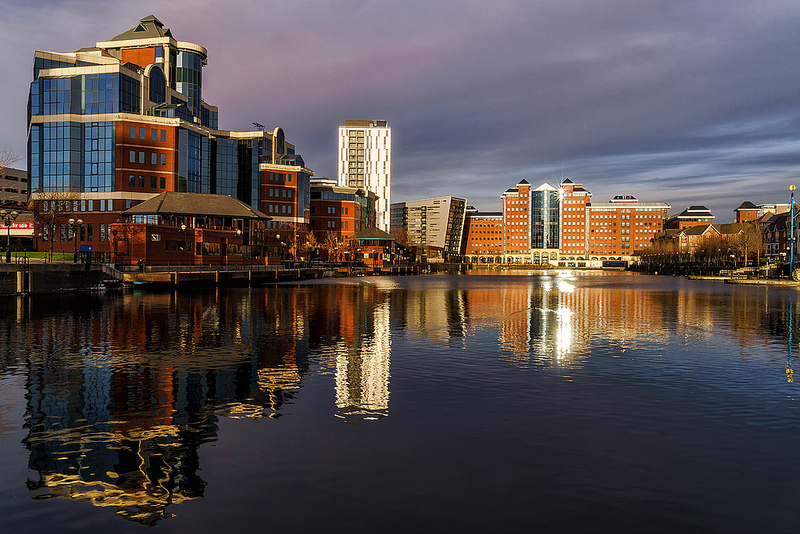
(681, 101)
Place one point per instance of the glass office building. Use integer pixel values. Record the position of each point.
(118, 123)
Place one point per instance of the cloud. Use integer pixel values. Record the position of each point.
(682, 101)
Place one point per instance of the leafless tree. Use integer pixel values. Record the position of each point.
(51, 209)
(8, 158)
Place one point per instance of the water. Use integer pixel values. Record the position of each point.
(559, 402)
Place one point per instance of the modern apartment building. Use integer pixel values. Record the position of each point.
(515, 203)
(365, 162)
(623, 226)
(574, 201)
(113, 125)
(435, 224)
(483, 236)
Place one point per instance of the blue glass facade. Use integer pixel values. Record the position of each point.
(67, 154)
(86, 94)
(72, 156)
(188, 78)
(545, 215)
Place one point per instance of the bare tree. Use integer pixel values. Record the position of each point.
(311, 244)
(51, 209)
(332, 244)
(8, 158)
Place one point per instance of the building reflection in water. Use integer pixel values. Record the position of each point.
(116, 414)
(123, 390)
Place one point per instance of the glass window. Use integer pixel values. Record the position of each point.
(153, 182)
(163, 182)
(133, 132)
(153, 157)
(163, 136)
(131, 180)
(132, 156)
(141, 133)
(141, 157)
(153, 134)
(163, 159)
(141, 181)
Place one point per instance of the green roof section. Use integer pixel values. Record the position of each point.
(148, 28)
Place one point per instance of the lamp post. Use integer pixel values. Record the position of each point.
(75, 227)
(791, 231)
(7, 217)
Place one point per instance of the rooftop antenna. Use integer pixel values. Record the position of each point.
(259, 126)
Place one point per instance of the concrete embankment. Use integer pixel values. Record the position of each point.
(748, 281)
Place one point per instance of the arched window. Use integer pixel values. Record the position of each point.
(158, 85)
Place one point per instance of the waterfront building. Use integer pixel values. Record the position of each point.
(193, 229)
(619, 229)
(365, 162)
(691, 216)
(574, 201)
(515, 202)
(545, 222)
(338, 213)
(116, 124)
(748, 211)
(776, 236)
(483, 236)
(433, 225)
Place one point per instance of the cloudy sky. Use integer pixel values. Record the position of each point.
(682, 101)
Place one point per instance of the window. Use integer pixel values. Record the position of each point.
(141, 181)
(133, 132)
(153, 182)
(163, 159)
(131, 180)
(153, 157)
(132, 156)
(163, 136)
(153, 134)
(90, 232)
(141, 133)
(163, 182)
(141, 157)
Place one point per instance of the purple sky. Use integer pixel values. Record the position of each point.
(686, 102)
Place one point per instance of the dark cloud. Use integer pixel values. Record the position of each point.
(683, 101)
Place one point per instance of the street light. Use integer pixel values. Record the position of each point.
(791, 232)
(75, 227)
(7, 217)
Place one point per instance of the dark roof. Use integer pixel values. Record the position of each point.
(196, 205)
(148, 28)
(747, 206)
(699, 229)
(567, 181)
(730, 228)
(373, 234)
(523, 181)
(696, 208)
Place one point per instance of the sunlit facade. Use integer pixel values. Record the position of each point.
(118, 123)
(365, 162)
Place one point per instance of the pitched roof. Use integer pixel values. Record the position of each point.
(747, 205)
(374, 233)
(700, 229)
(196, 204)
(148, 28)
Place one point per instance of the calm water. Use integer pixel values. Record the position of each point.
(558, 402)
